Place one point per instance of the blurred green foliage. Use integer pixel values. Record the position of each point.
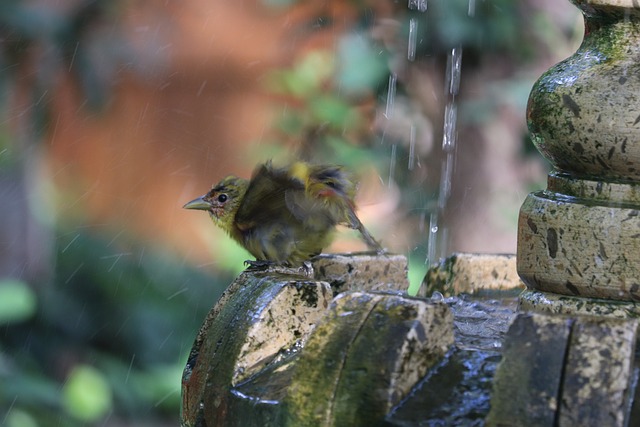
(481, 27)
(110, 335)
(86, 394)
(113, 332)
(17, 301)
(319, 118)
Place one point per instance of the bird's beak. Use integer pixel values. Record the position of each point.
(200, 204)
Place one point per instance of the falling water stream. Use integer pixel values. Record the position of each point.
(457, 391)
(437, 234)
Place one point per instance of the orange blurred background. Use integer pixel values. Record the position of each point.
(192, 106)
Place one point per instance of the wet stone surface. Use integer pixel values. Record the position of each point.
(400, 361)
(481, 323)
(457, 391)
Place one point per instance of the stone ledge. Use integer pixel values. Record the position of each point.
(362, 271)
(550, 303)
(473, 273)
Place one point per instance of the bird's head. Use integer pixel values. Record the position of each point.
(222, 201)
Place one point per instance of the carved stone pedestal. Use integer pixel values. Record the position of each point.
(581, 236)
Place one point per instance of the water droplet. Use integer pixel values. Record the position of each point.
(444, 238)
(420, 5)
(392, 166)
(433, 238)
(437, 297)
(391, 95)
(446, 175)
(472, 8)
(413, 38)
(449, 131)
(453, 71)
(412, 147)
(204, 83)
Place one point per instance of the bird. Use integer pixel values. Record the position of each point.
(285, 215)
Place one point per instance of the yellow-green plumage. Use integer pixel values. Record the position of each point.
(285, 215)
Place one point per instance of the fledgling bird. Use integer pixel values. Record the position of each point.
(285, 215)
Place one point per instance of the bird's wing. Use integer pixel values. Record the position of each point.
(264, 201)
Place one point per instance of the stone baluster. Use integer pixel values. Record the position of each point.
(580, 238)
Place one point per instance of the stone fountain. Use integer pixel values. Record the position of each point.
(343, 345)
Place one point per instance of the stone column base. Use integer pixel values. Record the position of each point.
(574, 243)
(546, 302)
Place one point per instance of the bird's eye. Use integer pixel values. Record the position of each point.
(222, 198)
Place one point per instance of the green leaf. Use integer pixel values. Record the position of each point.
(86, 394)
(334, 112)
(17, 301)
(18, 418)
(306, 77)
(416, 274)
(361, 67)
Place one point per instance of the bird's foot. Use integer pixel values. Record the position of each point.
(382, 251)
(306, 269)
(260, 264)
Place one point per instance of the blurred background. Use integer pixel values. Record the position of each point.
(114, 113)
